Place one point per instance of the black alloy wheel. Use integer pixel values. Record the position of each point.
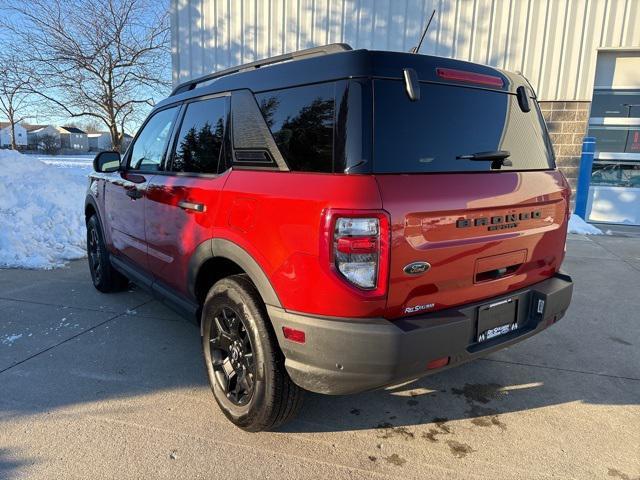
(232, 356)
(93, 251)
(244, 364)
(105, 278)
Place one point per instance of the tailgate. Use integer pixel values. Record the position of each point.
(467, 174)
(482, 234)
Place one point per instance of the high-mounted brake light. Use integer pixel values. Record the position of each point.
(357, 247)
(469, 77)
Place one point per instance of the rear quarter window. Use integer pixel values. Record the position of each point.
(429, 134)
(301, 120)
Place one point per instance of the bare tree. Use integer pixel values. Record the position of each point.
(100, 59)
(16, 85)
(91, 126)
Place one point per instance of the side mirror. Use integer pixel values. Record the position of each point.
(106, 162)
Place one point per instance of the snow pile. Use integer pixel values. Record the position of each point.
(41, 211)
(578, 225)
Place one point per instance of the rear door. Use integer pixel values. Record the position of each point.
(483, 227)
(125, 192)
(182, 201)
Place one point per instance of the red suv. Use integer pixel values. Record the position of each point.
(338, 220)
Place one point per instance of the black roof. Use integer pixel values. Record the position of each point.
(336, 66)
(73, 130)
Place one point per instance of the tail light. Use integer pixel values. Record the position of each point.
(357, 244)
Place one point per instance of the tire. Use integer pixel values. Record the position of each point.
(105, 278)
(251, 386)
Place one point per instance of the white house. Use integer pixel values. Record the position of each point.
(73, 138)
(99, 141)
(36, 134)
(5, 135)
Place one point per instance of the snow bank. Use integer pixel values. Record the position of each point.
(41, 211)
(578, 225)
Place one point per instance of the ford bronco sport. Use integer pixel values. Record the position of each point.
(338, 220)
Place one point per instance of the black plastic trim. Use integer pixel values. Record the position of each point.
(350, 355)
(223, 248)
(166, 295)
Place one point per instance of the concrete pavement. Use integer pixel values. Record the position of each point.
(112, 386)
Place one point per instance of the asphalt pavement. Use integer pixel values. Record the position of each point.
(99, 386)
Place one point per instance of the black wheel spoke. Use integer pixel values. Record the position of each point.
(232, 355)
(231, 320)
(221, 326)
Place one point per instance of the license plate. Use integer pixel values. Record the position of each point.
(497, 319)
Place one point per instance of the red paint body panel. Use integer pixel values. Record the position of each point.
(281, 231)
(424, 210)
(174, 233)
(124, 217)
(277, 218)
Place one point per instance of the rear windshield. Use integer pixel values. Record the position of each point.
(449, 121)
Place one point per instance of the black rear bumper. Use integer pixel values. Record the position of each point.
(342, 355)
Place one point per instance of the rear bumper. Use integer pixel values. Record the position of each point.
(342, 355)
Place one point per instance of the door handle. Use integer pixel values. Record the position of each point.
(196, 207)
(134, 193)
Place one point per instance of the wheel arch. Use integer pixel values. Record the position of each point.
(91, 208)
(217, 258)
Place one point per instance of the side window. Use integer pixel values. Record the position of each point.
(150, 145)
(201, 135)
(301, 120)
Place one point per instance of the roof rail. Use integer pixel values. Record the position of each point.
(309, 52)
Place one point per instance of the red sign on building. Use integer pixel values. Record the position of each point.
(633, 141)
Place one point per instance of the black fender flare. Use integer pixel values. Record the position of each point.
(90, 200)
(223, 248)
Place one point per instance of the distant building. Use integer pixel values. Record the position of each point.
(5, 135)
(36, 135)
(99, 141)
(126, 141)
(72, 138)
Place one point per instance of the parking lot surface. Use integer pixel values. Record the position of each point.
(112, 386)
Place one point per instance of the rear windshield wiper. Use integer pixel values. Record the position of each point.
(498, 157)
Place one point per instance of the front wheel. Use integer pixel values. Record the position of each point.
(105, 278)
(243, 362)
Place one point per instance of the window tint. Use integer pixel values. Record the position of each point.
(201, 134)
(149, 147)
(301, 120)
(448, 121)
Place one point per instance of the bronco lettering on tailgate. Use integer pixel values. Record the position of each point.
(498, 222)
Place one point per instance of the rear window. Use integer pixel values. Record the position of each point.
(448, 121)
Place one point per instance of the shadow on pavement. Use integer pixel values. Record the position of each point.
(9, 465)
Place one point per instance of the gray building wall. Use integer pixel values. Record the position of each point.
(553, 42)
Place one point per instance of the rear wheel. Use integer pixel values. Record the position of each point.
(243, 362)
(105, 278)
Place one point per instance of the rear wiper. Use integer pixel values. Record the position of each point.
(498, 157)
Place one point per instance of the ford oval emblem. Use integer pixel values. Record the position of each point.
(416, 268)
